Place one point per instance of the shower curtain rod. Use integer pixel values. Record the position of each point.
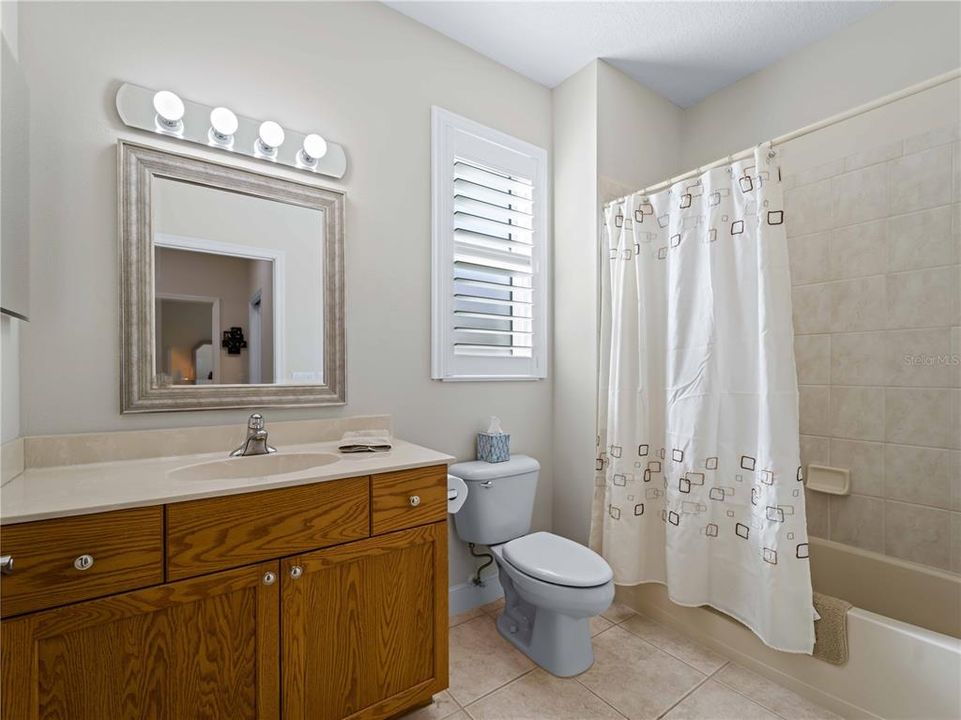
(807, 129)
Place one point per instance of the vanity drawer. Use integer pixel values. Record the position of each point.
(208, 535)
(408, 498)
(52, 558)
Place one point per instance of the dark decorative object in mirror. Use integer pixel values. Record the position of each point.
(234, 340)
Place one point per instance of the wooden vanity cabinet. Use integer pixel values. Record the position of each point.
(364, 626)
(345, 628)
(200, 648)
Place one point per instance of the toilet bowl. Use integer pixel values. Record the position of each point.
(552, 585)
(549, 620)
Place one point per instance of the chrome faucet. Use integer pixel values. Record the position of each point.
(256, 442)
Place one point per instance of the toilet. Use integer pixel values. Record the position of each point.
(552, 585)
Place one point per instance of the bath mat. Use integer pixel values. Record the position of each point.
(831, 630)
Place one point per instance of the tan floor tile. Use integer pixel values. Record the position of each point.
(441, 708)
(635, 677)
(481, 660)
(539, 696)
(464, 616)
(493, 607)
(599, 624)
(713, 701)
(618, 612)
(676, 643)
(774, 697)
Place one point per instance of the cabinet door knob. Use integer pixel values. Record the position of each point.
(296, 571)
(6, 564)
(269, 578)
(414, 500)
(84, 562)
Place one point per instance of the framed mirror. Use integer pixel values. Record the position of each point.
(232, 287)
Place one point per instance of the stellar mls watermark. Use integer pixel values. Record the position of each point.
(931, 360)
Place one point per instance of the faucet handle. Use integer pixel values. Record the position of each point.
(256, 422)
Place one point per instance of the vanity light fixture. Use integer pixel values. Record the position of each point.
(314, 148)
(223, 125)
(170, 111)
(166, 114)
(270, 137)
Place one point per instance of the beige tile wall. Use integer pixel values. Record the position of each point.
(875, 246)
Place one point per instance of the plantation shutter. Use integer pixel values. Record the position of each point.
(489, 264)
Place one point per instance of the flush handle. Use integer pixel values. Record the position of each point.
(487, 484)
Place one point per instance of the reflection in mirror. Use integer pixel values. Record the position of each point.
(238, 288)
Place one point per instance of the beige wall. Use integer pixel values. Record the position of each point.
(575, 292)
(875, 242)
(358, 72)
(900, 45)
(14, 166)
(610, 135)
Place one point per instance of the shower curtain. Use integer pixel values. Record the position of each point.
(698, 474)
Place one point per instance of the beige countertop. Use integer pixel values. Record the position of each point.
(50, 492)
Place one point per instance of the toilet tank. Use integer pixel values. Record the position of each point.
(500, 499)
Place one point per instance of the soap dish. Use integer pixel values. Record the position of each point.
(830, 480)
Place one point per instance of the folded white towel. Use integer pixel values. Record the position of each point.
(365, 441)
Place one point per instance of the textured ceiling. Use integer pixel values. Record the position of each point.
(682, 50)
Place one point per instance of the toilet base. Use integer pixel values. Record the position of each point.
(559, 643)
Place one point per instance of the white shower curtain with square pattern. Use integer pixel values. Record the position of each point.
(699, 479)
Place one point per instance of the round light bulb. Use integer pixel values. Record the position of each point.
(271, 137)
(170, 110)
(315, 147)
(223, 125)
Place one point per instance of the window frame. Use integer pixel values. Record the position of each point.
(452, 137)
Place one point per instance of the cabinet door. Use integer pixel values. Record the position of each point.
(204, 648)
(364, 626)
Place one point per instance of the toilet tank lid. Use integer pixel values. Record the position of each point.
(478, 470)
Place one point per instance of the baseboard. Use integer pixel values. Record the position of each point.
(467, 596)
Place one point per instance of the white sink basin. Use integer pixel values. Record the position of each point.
(253, 466)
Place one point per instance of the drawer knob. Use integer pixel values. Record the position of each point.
(84, 562)
(414, 500)
(269, 578)
(6, 564)
(296, 571)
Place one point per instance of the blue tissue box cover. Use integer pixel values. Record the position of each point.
(493, 447)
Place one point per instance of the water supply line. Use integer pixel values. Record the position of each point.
(477, 580)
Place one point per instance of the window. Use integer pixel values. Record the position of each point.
(489, 270)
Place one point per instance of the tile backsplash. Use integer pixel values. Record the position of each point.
(875, 250)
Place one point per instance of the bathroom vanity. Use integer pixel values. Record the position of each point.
(319, 593)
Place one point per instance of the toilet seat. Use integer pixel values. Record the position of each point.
(557, 560)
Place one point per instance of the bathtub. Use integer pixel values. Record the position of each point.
(914, 594)
(903, 635)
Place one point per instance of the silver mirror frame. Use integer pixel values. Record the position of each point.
(138, 166)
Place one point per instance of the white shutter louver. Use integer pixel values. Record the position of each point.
(489, 254)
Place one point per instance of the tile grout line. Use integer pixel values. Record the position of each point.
(466, 706)
(668, 652)
(603, 700)
(758, 702)
(694, 689)
(886, 273)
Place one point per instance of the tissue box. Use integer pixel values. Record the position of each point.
(493, 447)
